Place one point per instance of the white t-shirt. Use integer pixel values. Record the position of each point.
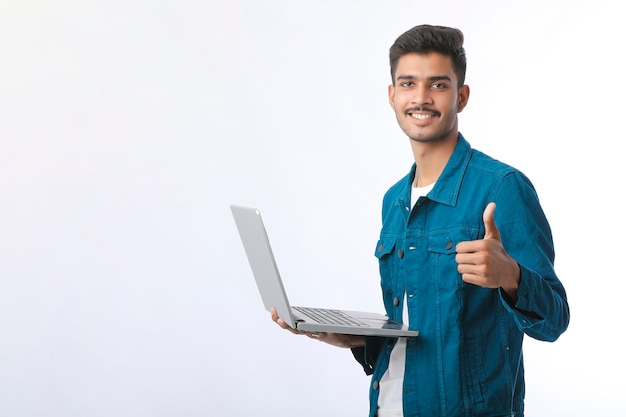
(390, 395)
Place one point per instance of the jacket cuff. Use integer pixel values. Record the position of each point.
(368, 355)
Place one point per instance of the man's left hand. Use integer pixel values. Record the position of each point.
(485, 263)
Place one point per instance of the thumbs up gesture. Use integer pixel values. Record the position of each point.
(485, 262)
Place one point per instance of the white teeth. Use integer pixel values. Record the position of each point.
(421, 116)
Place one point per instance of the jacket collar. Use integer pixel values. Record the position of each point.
(446, 190)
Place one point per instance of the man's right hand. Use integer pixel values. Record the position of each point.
(334, 339)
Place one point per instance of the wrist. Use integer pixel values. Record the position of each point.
(513, 283)
(356, 341)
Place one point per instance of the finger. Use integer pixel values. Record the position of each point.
(274, 314)
(281, 322)
(285, 326)
(471, 252)
(474, 279)
(491, 230)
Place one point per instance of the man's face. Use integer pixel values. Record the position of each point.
(426, 98)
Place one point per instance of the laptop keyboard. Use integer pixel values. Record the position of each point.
(326, 316)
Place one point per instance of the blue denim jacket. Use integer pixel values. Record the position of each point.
(467, 360)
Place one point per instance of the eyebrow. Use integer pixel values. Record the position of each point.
(433, 78)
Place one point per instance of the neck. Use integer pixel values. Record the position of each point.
(431, 158)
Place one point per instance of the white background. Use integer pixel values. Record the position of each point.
(127, 127)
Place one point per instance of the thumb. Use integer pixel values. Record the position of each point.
(491, 230)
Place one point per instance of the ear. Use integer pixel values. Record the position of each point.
(392, 96)
(464, 93)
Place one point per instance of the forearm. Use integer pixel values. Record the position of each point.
(541, 309)
(342, 340)
(512, 284)
(357, 341)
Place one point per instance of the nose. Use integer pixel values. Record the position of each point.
(421, 95)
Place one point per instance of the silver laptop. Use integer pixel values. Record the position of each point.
(259, 252)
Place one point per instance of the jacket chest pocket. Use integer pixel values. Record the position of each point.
(442, 254)
(387, 263)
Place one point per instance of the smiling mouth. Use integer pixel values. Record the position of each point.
(422, 114)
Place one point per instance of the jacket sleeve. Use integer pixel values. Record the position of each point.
(368, 355)
(541, 310)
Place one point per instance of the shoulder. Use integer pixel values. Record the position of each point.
(481, 161)
(485, 165)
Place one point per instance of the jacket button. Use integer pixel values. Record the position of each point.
(380, 248)
(400, 253)
(396, 301)
(449, 245)
(375, 385)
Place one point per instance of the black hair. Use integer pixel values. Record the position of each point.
(424, 39)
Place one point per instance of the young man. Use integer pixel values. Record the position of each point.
(465, 253)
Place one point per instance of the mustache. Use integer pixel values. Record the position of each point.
(423, 110)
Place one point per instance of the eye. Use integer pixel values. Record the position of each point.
(407, 84)
(439, 86)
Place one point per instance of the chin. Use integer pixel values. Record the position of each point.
(426, 139)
